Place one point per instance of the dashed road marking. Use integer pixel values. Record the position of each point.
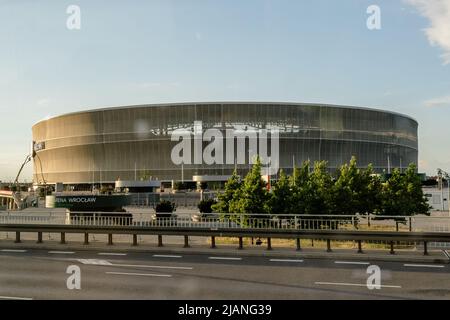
(95, 262)
(285, 260)
(14, 298)
(140, 274)
(352, 284)
(61, 252)
(423, 265)
(224, 258)
(166, 256)
(352, 262)
(13, 250)
(152, 267)
(111, 254)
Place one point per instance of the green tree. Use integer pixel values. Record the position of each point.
(418, 203)
(370, 192)
(253, 194)
(300, 187)
(232, 187)
(344, 196)
(355, 190)
(402, 194)
(280, 198)
(319, 186)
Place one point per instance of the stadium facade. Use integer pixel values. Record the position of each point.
(125, 143)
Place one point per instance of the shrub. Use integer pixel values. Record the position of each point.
(165, 207)
(205, 206)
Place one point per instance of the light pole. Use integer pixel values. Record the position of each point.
(442, 174)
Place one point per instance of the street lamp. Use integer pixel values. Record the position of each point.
(442, 174)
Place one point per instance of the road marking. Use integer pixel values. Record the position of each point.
(352, 284)
(111, 254)
(13, 250)
(352, 262)
(224, 258)
(154, 267)
(285, 260)
(423, 265)
(446, 254)
(166, 256)
(14, 298)
(140, 274)
(61, 252)
(95, 262)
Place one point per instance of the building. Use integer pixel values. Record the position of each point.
(437, 198)
(152, 141)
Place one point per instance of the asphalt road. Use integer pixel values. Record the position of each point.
(41, 274)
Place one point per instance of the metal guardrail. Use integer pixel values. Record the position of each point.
(392, 237)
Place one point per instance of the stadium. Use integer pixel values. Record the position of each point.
(132, 142)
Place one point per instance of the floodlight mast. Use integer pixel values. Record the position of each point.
(27, 159)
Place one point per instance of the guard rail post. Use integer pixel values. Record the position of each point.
(299, 248)
(186, 242)
(17, 237)
(425, 248)
(241, 244)
(360, 247)
(269, 244)
(63, 238)
(329, 245)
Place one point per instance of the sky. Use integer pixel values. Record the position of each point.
(140, 52)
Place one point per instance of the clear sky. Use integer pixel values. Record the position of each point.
(136, 52)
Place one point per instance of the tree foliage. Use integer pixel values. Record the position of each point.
(253, 195)
(232, 187)
(280, 199)
(402, 194)
(351, 190)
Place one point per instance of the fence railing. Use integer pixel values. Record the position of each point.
(233, 221)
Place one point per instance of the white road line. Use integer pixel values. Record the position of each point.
(285, 260)
(153, 267)
(61, 252)
(94, 262)
(13, 250)
(352, 262)
(352, 284)
(423, 265)
(111, 254)
(166, 256)
(140, 274)
(224, 258)
(14, 298)
(446, 254)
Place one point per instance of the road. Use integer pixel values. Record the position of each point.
(41, 274)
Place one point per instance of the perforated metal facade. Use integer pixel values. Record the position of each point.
(126, 142)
